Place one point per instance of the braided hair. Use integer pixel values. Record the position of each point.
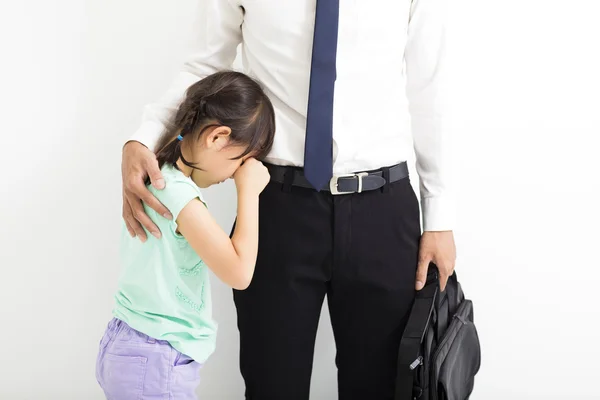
(225, 98)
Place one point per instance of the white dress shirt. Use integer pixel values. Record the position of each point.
(389, 83)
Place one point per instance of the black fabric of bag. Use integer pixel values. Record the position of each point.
(439, 352)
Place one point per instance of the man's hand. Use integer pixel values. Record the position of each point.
(138, 163)
(437, 247)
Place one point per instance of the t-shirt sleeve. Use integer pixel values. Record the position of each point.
(177, 194)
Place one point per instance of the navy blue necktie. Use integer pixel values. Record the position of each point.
(318, 147)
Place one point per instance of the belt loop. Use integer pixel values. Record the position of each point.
(385, 173)
(288, 179)
(151, 340)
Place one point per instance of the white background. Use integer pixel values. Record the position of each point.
(526, 120)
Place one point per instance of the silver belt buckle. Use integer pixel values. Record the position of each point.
(333, 183)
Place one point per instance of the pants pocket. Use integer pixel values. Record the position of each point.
(185, 377)
(122, 377)
(186, 368)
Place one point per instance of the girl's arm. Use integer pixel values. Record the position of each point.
(232, 260)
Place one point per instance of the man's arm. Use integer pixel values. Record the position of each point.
(426, 93)
(217, 33)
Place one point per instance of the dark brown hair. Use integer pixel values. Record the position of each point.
(225, 98)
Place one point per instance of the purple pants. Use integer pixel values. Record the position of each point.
(134, 366)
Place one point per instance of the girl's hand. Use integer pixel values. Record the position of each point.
(251, 178)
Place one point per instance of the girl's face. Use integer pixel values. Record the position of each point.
(215, 156)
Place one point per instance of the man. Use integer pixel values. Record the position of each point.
(345, 78)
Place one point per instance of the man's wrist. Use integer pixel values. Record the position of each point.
(438, 213)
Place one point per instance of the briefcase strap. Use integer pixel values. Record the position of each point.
(410, 344)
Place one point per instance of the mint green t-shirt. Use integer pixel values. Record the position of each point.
(164, 289)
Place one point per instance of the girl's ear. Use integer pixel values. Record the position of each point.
(218, 138)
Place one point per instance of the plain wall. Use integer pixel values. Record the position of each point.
(74, 77)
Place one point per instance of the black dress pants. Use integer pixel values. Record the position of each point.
(358, 249)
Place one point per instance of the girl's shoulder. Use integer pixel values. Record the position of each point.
(179, 190)
(170, 173)
(177, 179)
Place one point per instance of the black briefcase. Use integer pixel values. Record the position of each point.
(439, 352)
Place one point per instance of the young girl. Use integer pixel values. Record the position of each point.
(162, 330)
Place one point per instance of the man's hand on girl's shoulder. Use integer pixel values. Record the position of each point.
(138, 163)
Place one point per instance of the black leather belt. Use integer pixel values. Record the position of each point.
(342, 184)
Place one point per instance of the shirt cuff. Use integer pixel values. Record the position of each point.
(148, 134)
(438, 213)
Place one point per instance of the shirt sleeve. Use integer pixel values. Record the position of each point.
(426, 80)
(217, 33)
(176, 195)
